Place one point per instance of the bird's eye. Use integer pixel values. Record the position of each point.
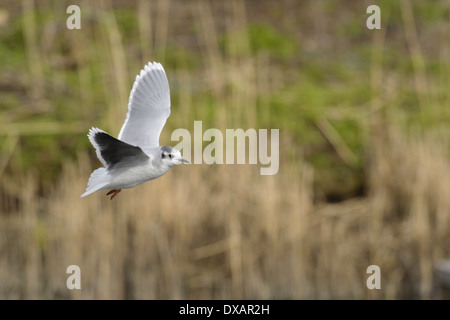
(170, 156)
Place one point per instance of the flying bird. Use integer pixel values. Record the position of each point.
(136, 156)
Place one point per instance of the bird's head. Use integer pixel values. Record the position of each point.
(171, 156)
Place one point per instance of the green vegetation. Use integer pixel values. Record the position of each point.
(77, 76)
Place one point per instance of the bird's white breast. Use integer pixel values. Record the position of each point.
(132, 176)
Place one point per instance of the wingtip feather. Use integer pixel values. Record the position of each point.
(91, 136)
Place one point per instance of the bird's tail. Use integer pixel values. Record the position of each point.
(97, 181)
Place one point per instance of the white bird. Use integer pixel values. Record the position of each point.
(136, 157)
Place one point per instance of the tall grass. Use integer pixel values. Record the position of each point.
(224, 231)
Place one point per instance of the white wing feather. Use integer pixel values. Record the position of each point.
(148, 107)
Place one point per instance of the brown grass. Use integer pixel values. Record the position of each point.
(227, 232)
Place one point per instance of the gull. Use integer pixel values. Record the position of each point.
(136, 156)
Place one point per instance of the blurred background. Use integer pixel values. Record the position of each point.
(364, 150)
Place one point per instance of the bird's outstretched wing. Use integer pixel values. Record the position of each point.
(148, 107)
(113, 152)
